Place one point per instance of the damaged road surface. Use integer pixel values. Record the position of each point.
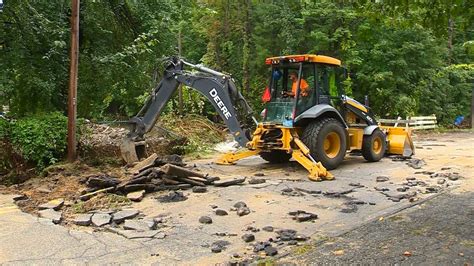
(272, 210)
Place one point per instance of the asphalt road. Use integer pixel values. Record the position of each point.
(437, 232)
(26, 239)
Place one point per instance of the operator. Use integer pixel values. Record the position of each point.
(304, 87)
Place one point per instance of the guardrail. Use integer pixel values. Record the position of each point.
(413, 122)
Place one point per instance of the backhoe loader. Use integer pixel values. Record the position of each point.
(307, 115)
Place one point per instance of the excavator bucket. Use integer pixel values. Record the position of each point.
(399, 141)
(132, 151)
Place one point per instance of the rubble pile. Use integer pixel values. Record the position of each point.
(156, 174)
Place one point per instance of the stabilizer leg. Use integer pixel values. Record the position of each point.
(317, 172)
(232, 157)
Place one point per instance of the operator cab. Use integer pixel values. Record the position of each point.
(320, 82)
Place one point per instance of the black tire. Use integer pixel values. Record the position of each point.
(374, 146)
(315, 136)
(275, 156)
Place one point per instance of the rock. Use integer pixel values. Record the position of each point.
(292, 242)
(382, 178)
(411, 178)
(254, 181)
(102, 181)
(219, 245)
(173, 196)
(453, 177)
(101, 219)
(136, 196)
(371, 203)
(268, 228)
(82, 219)
(394, 199)
(240, 204)
(53, 204)
(221, 212)
(441, 181)
(402, 189)
(199, 189)
(138, 225)
(252, 229)
(352, 208)
(205, 220)
(381, 189)
(51, 214)
(286, 190)
(216, 249)
(122, 215)
(416, 163)
(259, 174)
(214, 206)
(243, 211)
(248, 237)
(271, 251)
(355, 202)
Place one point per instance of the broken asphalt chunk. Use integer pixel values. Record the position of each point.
(51, 214)
(102, 181)
(255, 181)
(303, 216)
(122, 215)
(139, 225)
(82, 219)
(101, 219)
(243, 211)
(271, 251)
(267, 228)
(226, 183)
(416, 163)
(55, 204)
(382, 178)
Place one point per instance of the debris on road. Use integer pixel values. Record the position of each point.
(101, 219)
(303, 216)
(83, 219)
(416, 163)
(205, 220)
(52, 204)
(382, 178)
(52, 215)
(136, 196)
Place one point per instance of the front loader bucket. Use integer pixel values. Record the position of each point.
(132, 151)
(399, 141)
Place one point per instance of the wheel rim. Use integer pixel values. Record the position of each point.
(332, 144)
(377, 145)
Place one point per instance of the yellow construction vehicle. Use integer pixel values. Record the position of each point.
(307, 115)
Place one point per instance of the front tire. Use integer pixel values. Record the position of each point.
(275, 156)
(374, 146)
(326, 140)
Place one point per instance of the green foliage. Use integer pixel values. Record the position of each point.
(40, 139)
(404, 54)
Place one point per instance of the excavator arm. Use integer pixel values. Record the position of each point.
(217, 87)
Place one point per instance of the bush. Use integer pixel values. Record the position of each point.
(40, 139)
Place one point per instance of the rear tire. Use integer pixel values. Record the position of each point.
(326, 140)
(374, 146)
(275, 156)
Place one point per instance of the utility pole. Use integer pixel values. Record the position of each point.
(180, 86)
(72, 96)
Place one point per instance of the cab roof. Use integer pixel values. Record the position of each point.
(303, 58)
